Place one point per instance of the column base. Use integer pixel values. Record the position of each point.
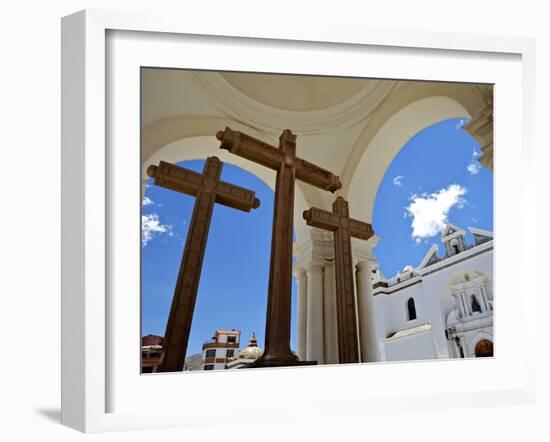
(274, 363)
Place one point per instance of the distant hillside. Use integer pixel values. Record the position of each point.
(193, 362)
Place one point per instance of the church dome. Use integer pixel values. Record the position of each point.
(252, 351)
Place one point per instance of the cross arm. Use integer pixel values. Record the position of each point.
(190, 182)
(176, 178)
(321, 218)
(250, 148)
(316, 176)
(326, 220)
(267, 155)
(236, 197)
(359, 229)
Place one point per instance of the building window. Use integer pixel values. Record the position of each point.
(231, 339)
(411, 309)
(475, 305)
(230, 353)
(210, 354)
(209, 367)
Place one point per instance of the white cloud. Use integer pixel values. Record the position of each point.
(429, 212)
(147, 201)
(461, 123)
(152, 227)
(473, 168)
(397, 181)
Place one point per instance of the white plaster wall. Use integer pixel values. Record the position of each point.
(415, 347)
(431, 301)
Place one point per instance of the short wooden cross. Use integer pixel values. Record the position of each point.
(344, 228)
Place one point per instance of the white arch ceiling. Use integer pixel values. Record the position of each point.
(324, 103)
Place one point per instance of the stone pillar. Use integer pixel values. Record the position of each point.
(315, 327)
(460, 303)
(301, 281)
(330, 316)
(466, 303)
(365, 301)
(464, 347)
(485, 298)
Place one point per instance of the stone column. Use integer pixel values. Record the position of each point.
(367, 325)
(330, 316)
(464, 347)
(315, 327)
(459, 302)
(301, 281)
(485, 298)
(466, 303)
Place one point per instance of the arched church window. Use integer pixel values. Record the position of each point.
(411, 310)
(475, 305)
(455, 247)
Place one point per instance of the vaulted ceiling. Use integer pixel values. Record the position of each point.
(336, 119)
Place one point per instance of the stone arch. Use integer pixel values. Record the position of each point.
(369, 168)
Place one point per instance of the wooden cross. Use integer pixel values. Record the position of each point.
(283, 160)
(343, 227)
(208, 189)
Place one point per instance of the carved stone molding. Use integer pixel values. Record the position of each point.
(480, 127)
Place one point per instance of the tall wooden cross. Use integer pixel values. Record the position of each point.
(208, 189)
(339, 222)
(289, 168)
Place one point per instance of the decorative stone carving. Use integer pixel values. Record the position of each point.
(481, 127)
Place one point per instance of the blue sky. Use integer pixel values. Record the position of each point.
(434, 178)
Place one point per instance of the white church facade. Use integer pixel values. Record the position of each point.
(443, 308)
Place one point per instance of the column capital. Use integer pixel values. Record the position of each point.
(299, 272)
(313, 244)
(365, 264)
(362, 250)
(314, 266)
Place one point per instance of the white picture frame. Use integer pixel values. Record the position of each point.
(87, 214)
